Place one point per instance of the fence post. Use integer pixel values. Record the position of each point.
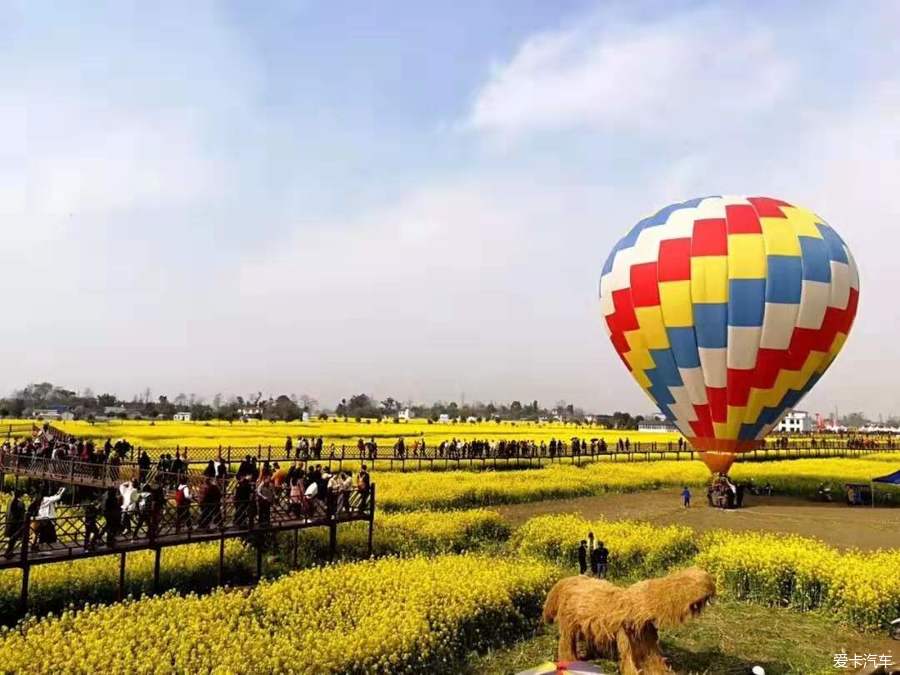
(26, 568)
(221, 557)
(157, 554)
(332, 525)
(120, 594)
(371, 516)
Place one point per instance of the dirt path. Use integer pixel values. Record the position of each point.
(837, 524)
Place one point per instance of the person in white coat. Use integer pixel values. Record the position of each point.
(46, 517)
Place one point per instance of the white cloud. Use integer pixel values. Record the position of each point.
(677, 77)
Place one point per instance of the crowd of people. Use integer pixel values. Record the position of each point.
(725, 494)
(47, 445)
(172, 497)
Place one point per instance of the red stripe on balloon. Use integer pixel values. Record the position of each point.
(739, 382)
(620, 343)
(742, 219)
(644, 289)
(770, 362)
(702, 426)
(624, 316)
(768, 365)
(675, 260)
(718, 403)
(710, 237)
(766, 207)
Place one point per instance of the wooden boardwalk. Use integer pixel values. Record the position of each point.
(82, 531)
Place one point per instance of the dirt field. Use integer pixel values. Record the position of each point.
(837, 524)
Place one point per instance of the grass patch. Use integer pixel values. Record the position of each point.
(730, 637)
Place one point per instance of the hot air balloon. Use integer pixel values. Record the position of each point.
(727, 310)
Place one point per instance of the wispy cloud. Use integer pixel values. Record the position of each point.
(679, 75)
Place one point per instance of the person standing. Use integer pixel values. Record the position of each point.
(112, 513)
(582, 557)
(363, 483)
(594, 555)
(15, 522)
(265, 495)
(686, 497)
(602, 560)
(130, 496)
(183, 498)
(47, 518)
(210, 505)
(144, 464)
(243, 496)
(91, 530)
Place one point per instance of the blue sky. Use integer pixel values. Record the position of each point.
(412, 199)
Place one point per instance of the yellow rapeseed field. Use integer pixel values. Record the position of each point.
(804, 573)
(384, 616)
(636, 548)
(460, 489)
(194, 567)
(190, 567)
(863, 588)
(255, 433)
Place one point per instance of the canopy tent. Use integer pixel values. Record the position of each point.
(889, 479)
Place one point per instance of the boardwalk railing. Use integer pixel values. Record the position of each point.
(433, 457)
(87, 531)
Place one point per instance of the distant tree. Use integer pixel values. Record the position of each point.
(104, 400)
(341, 408)
(854, 420)
(284, 408)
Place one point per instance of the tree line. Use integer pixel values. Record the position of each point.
(87, 405)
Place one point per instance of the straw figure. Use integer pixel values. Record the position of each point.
(624, 622)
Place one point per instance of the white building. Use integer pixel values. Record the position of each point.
(654, 425)
(444, 419)
(182, 417)
(795, 422)
(47, 414)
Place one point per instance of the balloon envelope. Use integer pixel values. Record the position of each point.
(727, 310)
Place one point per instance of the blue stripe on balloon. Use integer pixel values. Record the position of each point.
(746, 302)
(658, 218)
(785, 279)
(711, 324)
(768, 415)
(748, 432)
(815, 259)
(835, 244)
(666, 369)
(662, 377)
(684, 346)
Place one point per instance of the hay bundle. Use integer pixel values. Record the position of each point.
(623, 623)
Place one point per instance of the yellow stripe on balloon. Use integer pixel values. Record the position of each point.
(734, 420)
(675, 301)
(709, 279)
(746, 256)
(780, 237)
(803, 221)
(650, 320)
(786, 380)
